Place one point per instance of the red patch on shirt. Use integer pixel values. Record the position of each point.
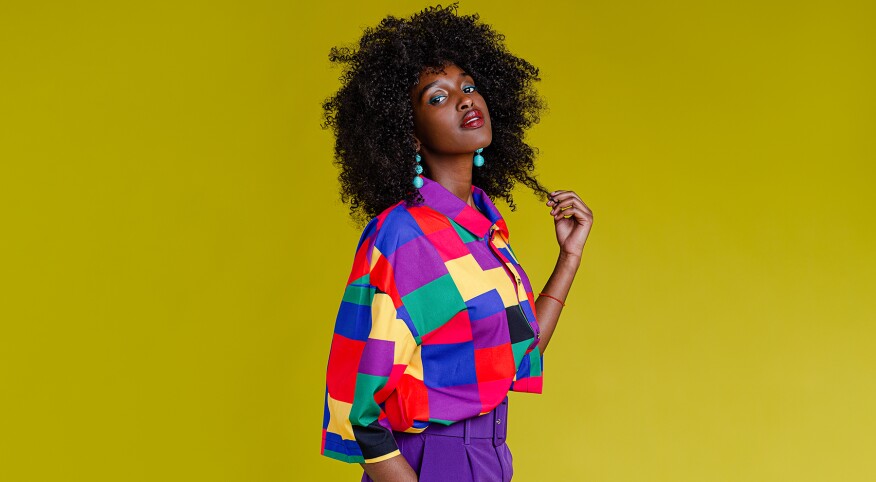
(448, 244)
(456, 330)
(494, 363)
(383, 278)
(428, 219)
(361, 264)
(343, 366)
(416, 402)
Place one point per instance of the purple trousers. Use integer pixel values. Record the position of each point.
(471, 450)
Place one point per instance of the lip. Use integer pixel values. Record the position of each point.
(472, 119)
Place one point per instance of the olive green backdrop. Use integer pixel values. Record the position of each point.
(174, 251)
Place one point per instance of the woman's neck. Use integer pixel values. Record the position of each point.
(455, 177)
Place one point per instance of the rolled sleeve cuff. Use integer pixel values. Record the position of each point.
(383, 457)
(375, 441)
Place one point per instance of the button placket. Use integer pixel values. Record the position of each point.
(518, 281)
(512, 273)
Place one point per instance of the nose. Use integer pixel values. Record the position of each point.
(465, 103)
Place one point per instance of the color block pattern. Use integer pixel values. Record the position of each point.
(436, 325)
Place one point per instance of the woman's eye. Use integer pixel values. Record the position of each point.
(437, 99)
(468, 89)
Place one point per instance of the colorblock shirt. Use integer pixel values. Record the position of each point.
(436, 325)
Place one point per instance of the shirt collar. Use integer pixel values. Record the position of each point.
(476, 222)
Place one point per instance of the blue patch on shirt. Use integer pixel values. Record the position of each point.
(448, 364)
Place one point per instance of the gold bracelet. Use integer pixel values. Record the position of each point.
(551, 297)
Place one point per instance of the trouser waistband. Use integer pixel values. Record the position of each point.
(493, 424)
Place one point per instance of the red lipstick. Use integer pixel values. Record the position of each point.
(472, 119)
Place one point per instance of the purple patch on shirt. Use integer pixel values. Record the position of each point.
(454, 403)
(377, 357)
(384, 422)
(526, 285)
(491, 331)
(440, 199)
(416, 263)
(482, 254)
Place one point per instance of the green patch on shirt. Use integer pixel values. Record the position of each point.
(360, 294)
(343, 457)
(519, 350)
(534, 363)
(433, 304)
(364, 410)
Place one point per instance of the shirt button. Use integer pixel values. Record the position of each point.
(518, 281)
(498, 421)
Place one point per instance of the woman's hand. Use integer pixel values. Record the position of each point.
(572, 221)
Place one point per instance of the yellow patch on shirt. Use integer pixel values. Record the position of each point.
(375, 256)
(415, 366)
(385, 325)
(472, 281)
(383, 457)
(339, 422)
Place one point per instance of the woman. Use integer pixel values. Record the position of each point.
(437, 322)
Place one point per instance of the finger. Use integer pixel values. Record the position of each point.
(561, 206)
(577, 212)
(556, 194)
(553, 196)
(568, 213)
(562, 198)
(569, 203)
(563, 195)
(562, 192)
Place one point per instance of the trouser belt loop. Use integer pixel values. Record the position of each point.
(500, 423)
(467, 432)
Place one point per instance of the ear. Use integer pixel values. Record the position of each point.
(417, 143)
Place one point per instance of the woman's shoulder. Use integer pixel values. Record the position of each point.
(397, 225)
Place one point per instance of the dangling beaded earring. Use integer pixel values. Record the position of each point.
(478, 158)
(418, 179)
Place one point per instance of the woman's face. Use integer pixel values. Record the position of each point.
(450, 116)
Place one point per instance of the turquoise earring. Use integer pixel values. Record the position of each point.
(478, 158)
(418, 179)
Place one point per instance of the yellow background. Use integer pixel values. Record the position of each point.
(174, 251)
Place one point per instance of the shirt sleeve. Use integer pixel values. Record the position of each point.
(370, 350)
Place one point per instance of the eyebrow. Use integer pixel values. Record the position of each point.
(432, 84)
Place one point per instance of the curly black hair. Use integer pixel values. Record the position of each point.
(372, 117)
